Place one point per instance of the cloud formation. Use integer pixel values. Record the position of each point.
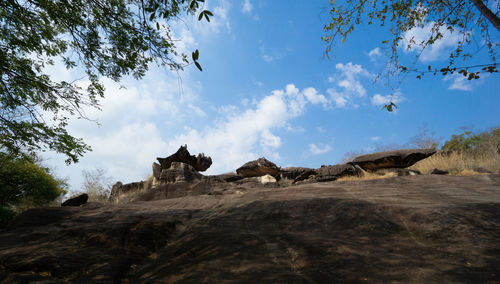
(415, 38)
(379, 100)
(318, 150)
(349, 83)
(246, 7)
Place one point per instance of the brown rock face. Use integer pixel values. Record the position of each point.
(76, 201)
(330, 173)
(392, 159)
(179, 172)
(293, 172)
(257, 168)
(410, 229)
(199, 163)
(119, 188)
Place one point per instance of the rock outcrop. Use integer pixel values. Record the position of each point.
(392, 159)
(179, 172)
(120, 188)
(257, 168)
(292, 173)
(76, 201)
(331, 173)
(418, 229)
(199, 163)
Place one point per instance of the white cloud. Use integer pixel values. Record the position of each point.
(415, 38)
(318, 150)
(246, 7)
(315, 98)
(248, 134)
(349, 80)
(267, 58)
(375, 138)
(379, 100)
(459, 82)
(374, 53)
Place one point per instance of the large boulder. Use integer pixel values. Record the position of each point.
(392, 159)
(76, 201)
(120, 188)
(199, 163)
(180, 172)
(293, 172)
(156, 170)
(257, 168)
(330, 173)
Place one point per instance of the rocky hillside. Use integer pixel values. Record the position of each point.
(420, 229)
(266, 224)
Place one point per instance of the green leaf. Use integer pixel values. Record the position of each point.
(200, 16)
(198, 65)
(195, 55)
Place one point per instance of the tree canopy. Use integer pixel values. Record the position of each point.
(107, 38)
(471, 20)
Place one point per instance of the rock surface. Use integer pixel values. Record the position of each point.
(410, 229)
(293, 172)
(199, 163)
(76, 201)
(179, 172)
(330, 173)
(392, 159)
(119, 188)
(257, 168)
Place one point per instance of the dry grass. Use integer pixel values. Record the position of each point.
(460, 163)
(368, 176)
(133, 195)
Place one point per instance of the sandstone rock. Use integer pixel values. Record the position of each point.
(439, 172)
(293, 172)
(258, 168)
(392, 159)
(120, 188)
(330, 173)
(199, 163)
(307, 174)
(76, 201)
(156, 170)
(398, 172)
(227, 177)
(179, 172)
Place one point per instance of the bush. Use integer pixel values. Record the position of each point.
(25, 184)
(6, 215)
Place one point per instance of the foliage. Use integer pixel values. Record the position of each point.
(108, 38)
(24, 184)
(487, 141)
(464, 18)
(96, 184)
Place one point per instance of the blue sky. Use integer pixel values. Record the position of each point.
(266, 90)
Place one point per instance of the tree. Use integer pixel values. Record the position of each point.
(23, 183)
(464, 18)
(107, 38)
(96, 184)
(425, 139)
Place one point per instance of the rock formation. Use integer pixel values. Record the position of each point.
(257, 168)
(120, 188)
(330, 173)
(179, 172)
(392, 159)
(293, 172)
(76, 201)
(199, 163)
(419, 229)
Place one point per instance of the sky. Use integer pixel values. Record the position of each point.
(266, 90)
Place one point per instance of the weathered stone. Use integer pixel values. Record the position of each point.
(392, 159)
(258, 168)
(179, 172)
(199, 163)
(156, 170)
(293, 172)
(120, 188)
(227, 177)
(307, 174)
(439, 172)
(397, 172)
(76, 201)
(330, 173)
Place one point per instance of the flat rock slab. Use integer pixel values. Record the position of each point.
(410, 229)
(392, 159)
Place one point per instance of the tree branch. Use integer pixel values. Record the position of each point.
(487, 13)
